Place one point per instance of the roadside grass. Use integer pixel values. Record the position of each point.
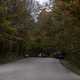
(71, 66)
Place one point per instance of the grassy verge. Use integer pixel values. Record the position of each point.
(71, 66)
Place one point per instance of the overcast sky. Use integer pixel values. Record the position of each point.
(43, 1)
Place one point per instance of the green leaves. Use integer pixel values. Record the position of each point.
(67, 1)
(66, 25)
(12, 19)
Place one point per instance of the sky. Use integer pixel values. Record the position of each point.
(42, 1)
(37, 9)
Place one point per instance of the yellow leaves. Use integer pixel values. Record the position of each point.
(3, 10)
(7, 27)
(11, 30)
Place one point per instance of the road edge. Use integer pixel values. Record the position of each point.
(70, 66)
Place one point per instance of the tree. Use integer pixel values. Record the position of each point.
(66, 28)
(14, 25)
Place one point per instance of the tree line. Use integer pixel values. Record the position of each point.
(59, 29)
(14, 22)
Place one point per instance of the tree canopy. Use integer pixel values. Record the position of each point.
(59, 29)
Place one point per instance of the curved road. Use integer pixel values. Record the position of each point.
(36, 69)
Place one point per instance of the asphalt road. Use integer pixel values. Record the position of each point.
(36, 69)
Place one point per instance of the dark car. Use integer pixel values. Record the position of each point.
(59, 55)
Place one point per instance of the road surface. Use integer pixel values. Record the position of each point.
(36, 69)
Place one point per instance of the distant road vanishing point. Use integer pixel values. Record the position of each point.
(36, 69)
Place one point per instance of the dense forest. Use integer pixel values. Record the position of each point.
(58, 30)
(14, 22)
